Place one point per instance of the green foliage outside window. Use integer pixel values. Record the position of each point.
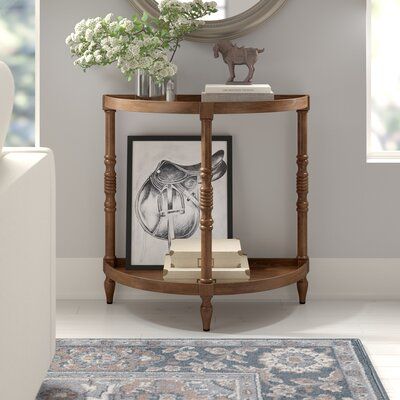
(385, 75)
(17, 49)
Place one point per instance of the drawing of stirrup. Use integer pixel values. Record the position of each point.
(165, 203)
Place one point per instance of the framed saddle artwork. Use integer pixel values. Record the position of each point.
(163, 194)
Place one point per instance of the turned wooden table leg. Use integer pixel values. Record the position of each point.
(110, 189)
(302, 287)
(206, 310)
(109, 288)
(206, 221)
(302, 201)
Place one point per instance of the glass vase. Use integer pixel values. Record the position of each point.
(148, 88)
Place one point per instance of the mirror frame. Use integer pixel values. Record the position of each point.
(228, 28)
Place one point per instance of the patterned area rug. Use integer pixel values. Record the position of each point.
(207, 369)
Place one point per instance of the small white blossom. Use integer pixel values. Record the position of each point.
(90, 23)
(68, 40)
(108, 18)
(80, 26)
(98, 28)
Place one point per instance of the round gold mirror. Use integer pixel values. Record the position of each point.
(233, 19)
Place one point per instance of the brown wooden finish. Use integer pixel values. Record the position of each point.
(206, 310)
(206, 193)
(302, 201)
(206, 206)
(109, 288)
(302, 287)
(265, 274)
(191, 104)
(110, 189)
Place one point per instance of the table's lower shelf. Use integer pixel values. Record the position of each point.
(265, 274)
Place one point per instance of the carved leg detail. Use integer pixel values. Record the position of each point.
(206, 287)
(109, 287)
(302, 200)
(206, 310)
(302, 287)
(110, 189)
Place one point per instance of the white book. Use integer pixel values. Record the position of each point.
(236, 97)
(192, 275)
(186, 253)
(252, 88)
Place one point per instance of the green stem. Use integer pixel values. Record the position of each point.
(173, 53)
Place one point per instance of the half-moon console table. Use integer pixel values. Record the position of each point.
(265, 274)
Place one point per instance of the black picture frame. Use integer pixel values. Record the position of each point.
(131, 196)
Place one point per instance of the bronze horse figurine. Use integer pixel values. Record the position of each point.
(234, 55)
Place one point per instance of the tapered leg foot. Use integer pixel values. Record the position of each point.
(206, 310)
(109, 287)
(302, 287)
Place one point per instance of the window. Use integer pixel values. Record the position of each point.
(384, 124)
(17, 49)
(220, 14)
(221, 11)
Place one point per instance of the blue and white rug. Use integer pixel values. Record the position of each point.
(220, 369)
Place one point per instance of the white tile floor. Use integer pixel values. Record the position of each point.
(377, 324)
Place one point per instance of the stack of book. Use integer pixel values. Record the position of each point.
(227, 93)
(182, 263)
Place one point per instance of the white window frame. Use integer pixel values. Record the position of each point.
(389, 157)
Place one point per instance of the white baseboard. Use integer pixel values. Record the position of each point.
(330, 279)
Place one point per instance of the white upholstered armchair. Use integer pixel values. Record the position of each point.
(27, 259)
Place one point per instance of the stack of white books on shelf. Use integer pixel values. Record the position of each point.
(227, 93)
(182, 263)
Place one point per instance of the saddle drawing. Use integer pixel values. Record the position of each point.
(167, 205)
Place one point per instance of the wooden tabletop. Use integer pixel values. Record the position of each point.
(191, 104)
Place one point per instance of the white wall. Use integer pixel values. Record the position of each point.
(312, 46)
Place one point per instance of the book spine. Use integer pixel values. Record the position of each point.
(231, 275)
(214, 91)
(237, 89)
(234, 97)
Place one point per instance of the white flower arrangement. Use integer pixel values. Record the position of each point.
(146, 44)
